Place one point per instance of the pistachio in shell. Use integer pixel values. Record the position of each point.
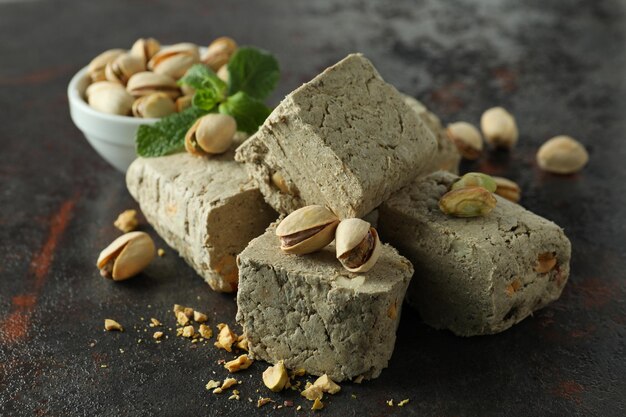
(307, 230)
(97, 65)
(475, 179)
(467, 202)
(211, 134)
(146, 82)
(126, 256)
(219, 52)
(145, 49)
(358, 245)
(175, 60)
(153, 106)
(123, 67)
(467, 139)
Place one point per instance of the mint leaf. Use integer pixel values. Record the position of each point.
(206, 99)
(167, 135)
(253, 71)
(210, 89)
(249, 112)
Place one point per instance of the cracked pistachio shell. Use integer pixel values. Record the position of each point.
(475, 179)
(562, 155)
(123, 67)
(211, 134)
(145, 82)
(303, 221)
(499, 128)
(467, 202)
(175, 60)
(145, 49)
(131, 253)
(508, 189)
(219, 52)
(98, 64)
(467, 139)
(154, 105)
(350, 234)
(110, 98)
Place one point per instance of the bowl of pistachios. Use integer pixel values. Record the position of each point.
(121, 90)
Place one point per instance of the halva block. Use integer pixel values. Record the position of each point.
(205, 208)
(478, 275)
(345, 140)
(311, 313)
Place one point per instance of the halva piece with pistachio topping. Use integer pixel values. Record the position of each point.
(477, 275)
(205, 208)
(311, 313)
(346, 140)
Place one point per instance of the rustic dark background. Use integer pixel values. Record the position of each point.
(559, 66)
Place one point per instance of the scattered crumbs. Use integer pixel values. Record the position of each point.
(234, 397)
(390, 403)
(299, 408)
(157, 335)
(317, 404)
(353, 396)
(212, 384)
(221, 361)
(92, 344)
(199, 317)
(198, 298)
(111, 325)
(155, 322)
(149, 305)
(249, 399)
(160, 252)
(403, 403)
(229, 382)
(139, 340)
(205, 331)
(358, 379)
(217, 390)
(262, 401)
(279, 406)
(104, 366)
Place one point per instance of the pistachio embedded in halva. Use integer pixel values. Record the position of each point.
(475, 179)
(508, 189)
(468, 202)
(562, 155)
(146, 82)
(154, 105)
(467, 139)
(358, 245)
(145, 49)
(307, 230)
(499, 128)
(211, 134)
(123, 67)
(175, 60)
(98, 64)
(219, 52)
(126, 256)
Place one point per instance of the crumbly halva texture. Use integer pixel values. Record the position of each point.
(206, 208)
(311, 313)
(345, 140)
(474, 276)
(447, 157)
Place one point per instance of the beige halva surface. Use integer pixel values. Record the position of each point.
(205, 208)
(313, 314)
(473, 276)
(346, 140)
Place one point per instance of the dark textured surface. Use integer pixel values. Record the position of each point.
(559, 66)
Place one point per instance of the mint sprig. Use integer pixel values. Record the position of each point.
(253, 74)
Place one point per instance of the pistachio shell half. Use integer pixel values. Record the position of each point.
(468, 202)
(175, 60)
(219, 52)
(358, 245)
(307, 230)
(126, 256)
(123, 67)
(475, 179)
(144, 83)
(154, 105)
(211, 134)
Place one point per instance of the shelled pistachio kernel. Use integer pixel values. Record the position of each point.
(275, 377)
(467, 202)
(126, 256)
(562, 155)
(475, 179)
(508, 189)
(467, 139)
(211, 134)
(499, 128)
(307, 230)
(358, 245)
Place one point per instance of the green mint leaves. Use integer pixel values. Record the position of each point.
(253, 71)
(253, 76)
(167, 135)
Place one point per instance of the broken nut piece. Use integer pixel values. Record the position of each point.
(188, 331)
(110, 325)
(182, 318)
(205, 331)
(275, 377)
(199, 317)
(506, 188)
(225, 338)
(127, 221)
(307, 230)
(327, 384)
(545, 262)
(312, 392)
(238, 364)
(317, 404)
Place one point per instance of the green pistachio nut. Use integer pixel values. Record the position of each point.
(475, 179)
(468, 202)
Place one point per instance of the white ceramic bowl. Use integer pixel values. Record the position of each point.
(112, 136)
